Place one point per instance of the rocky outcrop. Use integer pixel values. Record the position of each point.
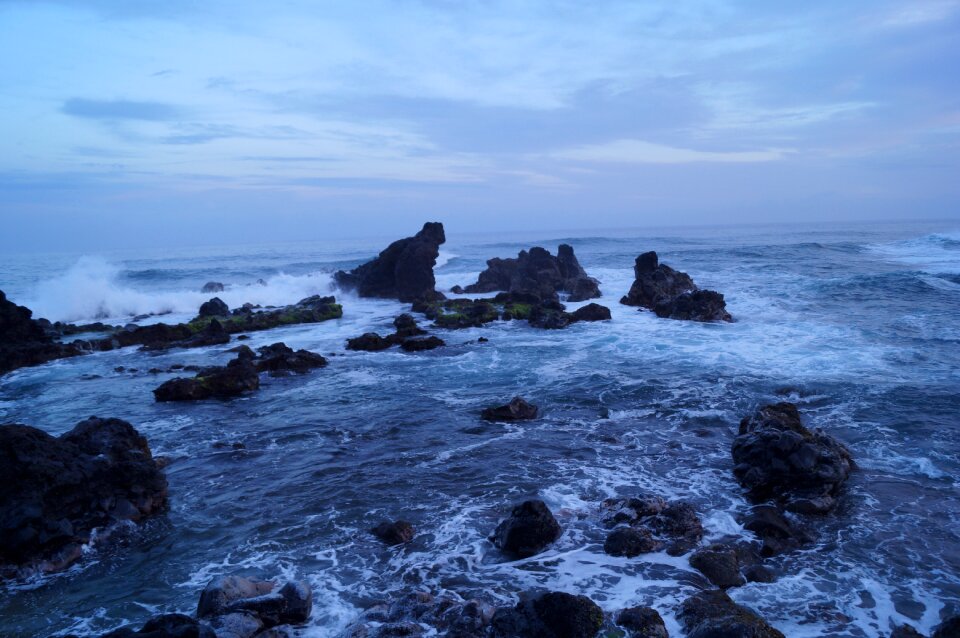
(212, 286)
(24, 342)
(949, 628)
(55, 491)
(419, 345)
(671, 293)
(648, 523)
(549, 615)
(369, 342)
(279, 359)
(642, 622)
(404, 270)
(406, 329)
(537, 272)
(528, 530)
(394, 533)
(591, 312)
(776, 457)
(711, 614)
(214, 308)
(517, 410)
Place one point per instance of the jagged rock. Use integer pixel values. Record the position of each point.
(528, 530)
(369, 342)
(24, 342)
(671, 293)
(395, 533)
(642, 622)
(427, 343)
(591, 312)
(630, 542)
(167, 626)
(220, 382)
(775, 531)
(212, 286)
(632, 509)
(261, 600)
(55, 491)
(278, 358)
(775, 456)
(407, 327)
(517, 410)
(550, 615)
(720, 564)
(679, 522)
(712, 614)
(214, 308)
(537, 273)
(404, 270)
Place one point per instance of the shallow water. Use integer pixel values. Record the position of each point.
(858, 324)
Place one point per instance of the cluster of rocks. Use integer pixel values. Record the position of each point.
(56, 491)
(507, 306)
(241, 374)
(408, 335)
(24, 341)
(538, 273)
(672, 294)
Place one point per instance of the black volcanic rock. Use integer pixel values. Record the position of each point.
(369, 342)
(24, 342)
(425, 343)
(712, 614)
(517, 410)
(642, 622)
(528, 530)
(212, 286)
(261, 600)
(536, 272)
(591, 312)
(549, 615)
(404, 270)
(630, 542)
(720, 564)
(776, 457)
(394, 533)
(220, 382)
(166, 626)
(214, 308)
(55, 491)
(671, 293)
(279, 358)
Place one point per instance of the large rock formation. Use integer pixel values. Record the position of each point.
(537, 272)
(404, 270)
(24, 342)
(776, 457)
(671, 293)
(54, 491)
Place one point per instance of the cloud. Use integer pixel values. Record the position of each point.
(120, 110)
(918, 13)
(631, 151)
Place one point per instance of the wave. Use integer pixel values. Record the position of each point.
(936, 253)
(92, 289)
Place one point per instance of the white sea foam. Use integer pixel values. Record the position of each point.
(938, 253)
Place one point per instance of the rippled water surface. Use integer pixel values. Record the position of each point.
(859, 325)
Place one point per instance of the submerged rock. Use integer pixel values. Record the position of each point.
(212, 286)
(777, 533)
(406, 327)
(949, 628)
(642, 622)
(394, 533)
(220, 382)
(905, 631)
(549, 615)
(671, 293)
(418, 345)
(712, 614)
(517, 410)
(404, 270)
(776, 457)
(528, 530)
(416, 613)
(55, 491)
(24, 342)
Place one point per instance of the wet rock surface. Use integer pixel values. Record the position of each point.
(642, 622)
(549, 615)
(24, 342)
(530, 529)
(712, 614)
(394, 532)
(671, 293)
(517, 410)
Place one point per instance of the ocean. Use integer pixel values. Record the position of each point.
(858, 324)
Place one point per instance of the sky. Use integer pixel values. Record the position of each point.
(127, 122)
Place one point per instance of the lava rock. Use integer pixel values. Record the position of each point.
(631, 509)
(679, 522)
(214, 308)
(538, 273)
(699, 305)
(221, 382)
(167, 626)
(404, 270)
(630, 542)
(406, 327)
(517, 410)
(591, 312)
(262, 600)
(212, 286)
(949, 628)
(776, 457)
(720, 564)
(369, 342)
(671, 293)
(712, 614)
(905, 631)
(278, 358)
(427, 343)
(395, 533)
(55, 491)
(776, 532)
(529, 529)
(549, 615)
(24, 342)
(642, 622)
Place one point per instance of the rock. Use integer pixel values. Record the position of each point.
(719, 563)
(237, 625)
(632, 509)
(536, 272)
(678, 521)
(670, 293)
(55, 491)
(418, 613)
(517, 410)
(642, 622)
(214, 308)
(213, 334)
(550, 615)
(212, 286)
(775, 456)
(949, 628)
(260, 600)
(548, 318)
(759, 574)
(528, 530)
(591, 312)
(278, 358)
(407, 327)
(221, 382)
(369, 342)
(24, 342)
(404, 270)
(417, 345)
(630, 542)
(775, 531)
(167, 626)
(712, 614)
(905, 631)
(395, 533)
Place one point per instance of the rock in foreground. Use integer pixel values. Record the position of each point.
(55, 491)
(528, 530)
(24, 342)
(550, 615)
(671, 293)
(712, 614)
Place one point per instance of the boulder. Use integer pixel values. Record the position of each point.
(262, 600)
(55, 491)
(591, 312)
(404, 270)
(212, 286)
(720, 564)
(394, 533)
(517, 410)
(679, 523)
(278, 358)
(214, 308)
(777, 533)
(776, 457)
(905, 631)
(549, 615)
(528, 530)
(642, 622)
(671, 293)
(417, 345)
(630, 541)
(167, 626)
(24, 342)
(631, 509)
(712, 614)
(538, 273)
(369, 342)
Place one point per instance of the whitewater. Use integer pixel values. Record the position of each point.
(859, 325)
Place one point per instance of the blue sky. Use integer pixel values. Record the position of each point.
(179, 121)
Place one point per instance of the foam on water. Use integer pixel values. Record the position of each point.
(935, 253)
